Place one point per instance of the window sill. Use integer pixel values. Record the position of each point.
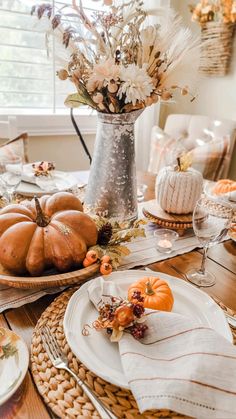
(43, 123)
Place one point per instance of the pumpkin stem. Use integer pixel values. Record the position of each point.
(149, 290)
(179, 164)
(41, 219)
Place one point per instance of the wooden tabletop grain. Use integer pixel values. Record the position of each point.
(27, 403)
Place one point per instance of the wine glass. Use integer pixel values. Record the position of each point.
(141, 190)
(10, 175)
(211, 221)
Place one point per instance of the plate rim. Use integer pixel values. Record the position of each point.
(41, 192)
(82, 290)
(24, 368)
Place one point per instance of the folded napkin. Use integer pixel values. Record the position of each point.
(180, 364)
(56, 181)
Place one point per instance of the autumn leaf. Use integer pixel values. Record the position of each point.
(77, 99)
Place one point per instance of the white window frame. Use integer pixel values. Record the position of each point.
(43, 123)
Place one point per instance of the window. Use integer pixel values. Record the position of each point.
(27, 75)
(28, 82)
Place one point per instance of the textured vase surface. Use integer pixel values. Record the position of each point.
(112, 186)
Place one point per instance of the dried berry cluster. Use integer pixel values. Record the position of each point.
(119, 316)
(43, 168)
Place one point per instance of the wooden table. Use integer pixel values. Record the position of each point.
(26, 403)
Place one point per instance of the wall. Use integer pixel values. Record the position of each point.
(216, 96)
(65, 151)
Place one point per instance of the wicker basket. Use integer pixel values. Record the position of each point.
(216, 50)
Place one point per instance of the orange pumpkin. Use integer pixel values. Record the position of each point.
(43, 233)
(156, 293)
(224, 186)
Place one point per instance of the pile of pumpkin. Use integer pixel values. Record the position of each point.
(50, 232)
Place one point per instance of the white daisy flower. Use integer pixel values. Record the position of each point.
(136, 84)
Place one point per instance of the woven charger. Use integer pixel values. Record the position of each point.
(59, 390)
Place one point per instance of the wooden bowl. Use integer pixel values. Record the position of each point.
(48, 281)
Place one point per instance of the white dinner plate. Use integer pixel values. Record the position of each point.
(99, 354)
(66, 180)
(13, 367)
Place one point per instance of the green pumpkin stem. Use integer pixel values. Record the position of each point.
(41, 219)
(149, 290)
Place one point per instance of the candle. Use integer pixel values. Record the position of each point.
(165, 239)
(165, 243)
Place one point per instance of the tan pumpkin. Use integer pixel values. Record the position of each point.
(43, 233)
(156, 293)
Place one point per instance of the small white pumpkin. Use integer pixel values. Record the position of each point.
(177, 191)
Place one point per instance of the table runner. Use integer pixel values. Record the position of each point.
(143, 252)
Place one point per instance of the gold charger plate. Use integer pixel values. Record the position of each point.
(48, 281)
(156, 214)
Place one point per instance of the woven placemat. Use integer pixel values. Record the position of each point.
(60, 391)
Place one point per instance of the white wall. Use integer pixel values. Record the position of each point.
(66, 151)
(216, 95)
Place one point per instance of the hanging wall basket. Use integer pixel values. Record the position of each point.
(216, 50)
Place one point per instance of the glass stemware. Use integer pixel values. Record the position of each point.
(141, 190)
(211, 221)
(10, 175)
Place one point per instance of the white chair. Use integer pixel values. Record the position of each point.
(195, 128)
(11, 142)
(211, 142)
(8, 128)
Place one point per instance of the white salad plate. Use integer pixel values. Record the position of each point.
(38, 186)
(14, 360)
(101, 356)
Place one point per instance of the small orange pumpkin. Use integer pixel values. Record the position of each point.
(224, 186)
(124, 315)
(156, 293)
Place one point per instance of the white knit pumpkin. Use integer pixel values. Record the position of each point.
(178, 191)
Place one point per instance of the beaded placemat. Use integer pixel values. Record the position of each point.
(60, 391)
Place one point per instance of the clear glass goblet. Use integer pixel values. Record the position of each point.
(211, 221)
(141, 190)
(10, 175)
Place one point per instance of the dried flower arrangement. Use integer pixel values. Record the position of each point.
(44, 168)
(7, 343)
(117, 316)
(118, 64)
(217, 19)
(223, 11)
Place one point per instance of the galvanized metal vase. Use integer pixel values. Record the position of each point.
(112, 186)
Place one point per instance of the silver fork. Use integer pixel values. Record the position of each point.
(60, 361)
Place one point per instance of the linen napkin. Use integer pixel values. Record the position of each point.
(56, 181)
(180, 365)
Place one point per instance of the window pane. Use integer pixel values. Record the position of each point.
(27, 73)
